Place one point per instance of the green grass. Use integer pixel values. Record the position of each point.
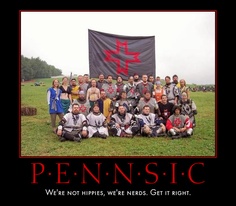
(37, 139)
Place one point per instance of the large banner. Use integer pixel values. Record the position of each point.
(119, 55)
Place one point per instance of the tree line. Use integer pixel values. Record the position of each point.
(32, 68)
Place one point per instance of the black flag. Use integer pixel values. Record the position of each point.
(115, 55)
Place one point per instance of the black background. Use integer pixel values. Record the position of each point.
(214, 172)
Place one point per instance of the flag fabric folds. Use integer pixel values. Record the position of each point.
(120, 55)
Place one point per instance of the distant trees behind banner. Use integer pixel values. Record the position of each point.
(32, 68)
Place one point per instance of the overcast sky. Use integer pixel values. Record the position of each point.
(184, 41)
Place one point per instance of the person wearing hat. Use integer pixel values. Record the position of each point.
(73, 125)
(178, 125)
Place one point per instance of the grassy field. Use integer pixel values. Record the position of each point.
(37, 139)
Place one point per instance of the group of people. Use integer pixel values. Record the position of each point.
(112, 107)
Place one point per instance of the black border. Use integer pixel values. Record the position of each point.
(212, 189)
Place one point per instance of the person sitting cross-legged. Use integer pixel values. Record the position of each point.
(73, 125)
(151, 125)
(123, 124)
(178, 125)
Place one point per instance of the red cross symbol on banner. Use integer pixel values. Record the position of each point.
(128, 54)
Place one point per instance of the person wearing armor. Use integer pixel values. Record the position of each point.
(150, 101)
(97, 125)
(151, 125)
(175, 80)
(83, 86)
(131, 92)
(84, 104)
(119, 87)
(125, 102)
(144, 86)
(171, 91)
(123, 124)
(73, 125)
(110, 88)
(188, 108)
(179, 125)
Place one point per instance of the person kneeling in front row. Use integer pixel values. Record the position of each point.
(97, 125)
(73, 125)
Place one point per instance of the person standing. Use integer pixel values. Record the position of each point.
(175, 80)
(65, 97)
(54, 103)
(144, 86)
(184, 88)
(132, 95)
(93, 93)
(110, 88)
(83, 86)
(158, 91)
(101, 80)
(119, 87)
(74, 89)
(171, 91)
(137, 80)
